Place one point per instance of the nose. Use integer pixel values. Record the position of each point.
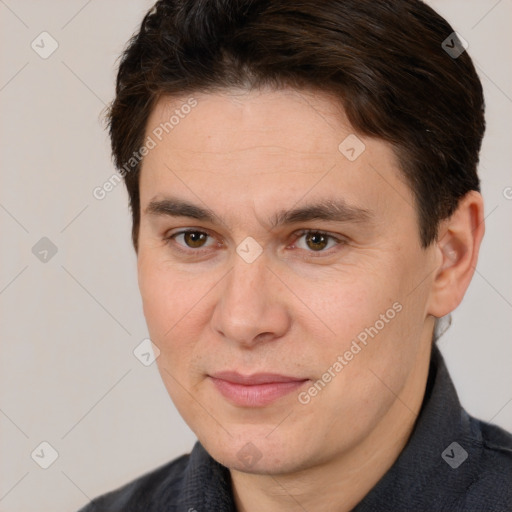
(251, 307)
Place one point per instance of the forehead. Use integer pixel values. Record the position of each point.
(286, 120)
(266, 148)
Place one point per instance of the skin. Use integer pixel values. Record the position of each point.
(298, 306)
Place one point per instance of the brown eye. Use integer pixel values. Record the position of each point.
(316, 241)
(188, 240)
(194, 239)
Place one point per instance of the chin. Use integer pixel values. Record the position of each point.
(256, 454)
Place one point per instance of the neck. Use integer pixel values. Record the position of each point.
(345, 479)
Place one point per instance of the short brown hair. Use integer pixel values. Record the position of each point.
(383, 59)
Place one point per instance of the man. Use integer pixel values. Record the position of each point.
(302, 178)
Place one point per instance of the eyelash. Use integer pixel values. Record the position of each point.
(298, 235)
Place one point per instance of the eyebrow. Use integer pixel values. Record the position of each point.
(328, 209)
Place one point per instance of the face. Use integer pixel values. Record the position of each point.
(281, 274)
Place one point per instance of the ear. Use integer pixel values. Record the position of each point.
(457, 249)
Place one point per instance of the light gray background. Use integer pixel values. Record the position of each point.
(68, 327)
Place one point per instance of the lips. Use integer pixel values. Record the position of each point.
(255, 390)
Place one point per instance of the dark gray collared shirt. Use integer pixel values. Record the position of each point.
(452, 462)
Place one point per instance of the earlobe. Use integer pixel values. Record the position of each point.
(457, 249)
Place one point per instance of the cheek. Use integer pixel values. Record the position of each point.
(168, 303)
(343, 306)
(368, 321)
(177, 311)
(159, 300)
(167, 298)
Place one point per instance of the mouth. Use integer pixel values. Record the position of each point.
(255, 390)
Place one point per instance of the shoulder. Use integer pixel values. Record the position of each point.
(192, 481)
(491, 486)
(147, 493)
